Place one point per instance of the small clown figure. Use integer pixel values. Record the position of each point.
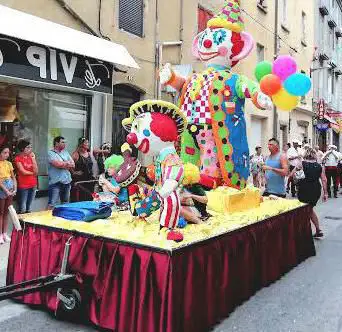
(213, 101)
(154, 128)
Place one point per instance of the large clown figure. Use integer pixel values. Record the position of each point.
(154, 128)
(213, 101)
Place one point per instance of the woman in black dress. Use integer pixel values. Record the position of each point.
(310, 189)
(82, 175)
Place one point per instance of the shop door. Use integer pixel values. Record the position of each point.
(322, 140)
(256, 134)
(123, 97)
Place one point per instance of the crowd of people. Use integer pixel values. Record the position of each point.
(305, 172)
(65, 173)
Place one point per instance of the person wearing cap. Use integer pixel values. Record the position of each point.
(257, 161)
(294, 159)
(330, 160)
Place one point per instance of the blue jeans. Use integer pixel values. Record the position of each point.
(25, 199)
(59, 191)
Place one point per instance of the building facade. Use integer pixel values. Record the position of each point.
(160, 31)
(327, 69)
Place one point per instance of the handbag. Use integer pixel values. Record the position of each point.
(298, 175)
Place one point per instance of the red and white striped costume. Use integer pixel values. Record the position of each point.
(169, 167)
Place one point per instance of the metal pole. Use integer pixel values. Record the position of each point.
(275, 114)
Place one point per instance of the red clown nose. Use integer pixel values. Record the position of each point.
(132, 139)
(207, 43)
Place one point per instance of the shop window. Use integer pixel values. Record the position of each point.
(43, 115)
(131, 16)
(204, 15)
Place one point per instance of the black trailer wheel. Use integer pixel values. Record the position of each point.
(72, 308)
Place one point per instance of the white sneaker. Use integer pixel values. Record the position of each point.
(6, 237)
(2, 241)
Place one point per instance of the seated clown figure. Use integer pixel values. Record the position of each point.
(112, 191)
(154, 127)
(213, 100)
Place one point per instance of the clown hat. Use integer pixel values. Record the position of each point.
(156, 106)
(229, 17)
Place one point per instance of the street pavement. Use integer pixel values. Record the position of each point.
(307, 299)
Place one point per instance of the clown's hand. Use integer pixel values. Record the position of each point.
(168, 187)
(165, 74)
(264, 101)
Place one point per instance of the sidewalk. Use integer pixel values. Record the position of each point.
(308, 298)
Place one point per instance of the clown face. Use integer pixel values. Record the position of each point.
(219, 46)
(143, 138)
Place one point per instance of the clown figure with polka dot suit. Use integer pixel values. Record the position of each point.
(213, 101)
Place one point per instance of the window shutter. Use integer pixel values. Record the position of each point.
(131, 16)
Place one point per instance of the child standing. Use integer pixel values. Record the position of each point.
(8, 188)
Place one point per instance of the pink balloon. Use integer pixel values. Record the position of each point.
(284, 66)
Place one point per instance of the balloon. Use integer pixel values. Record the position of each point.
(270, 84)
(298, 84)
(284, 66)
(284, 100)
(263, 68)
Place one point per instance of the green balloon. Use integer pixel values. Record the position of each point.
(262, 69)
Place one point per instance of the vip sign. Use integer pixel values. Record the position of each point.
(22, 59)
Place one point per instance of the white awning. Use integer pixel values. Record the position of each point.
(34, 29)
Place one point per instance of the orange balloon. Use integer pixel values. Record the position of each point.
(270, 84)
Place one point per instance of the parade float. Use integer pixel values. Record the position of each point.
(138, 270)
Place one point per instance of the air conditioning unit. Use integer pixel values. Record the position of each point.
(323, 54)
(331, 22)
(332, 64)
(323, 8)
(338, 71)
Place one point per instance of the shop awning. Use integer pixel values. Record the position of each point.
(17, 24)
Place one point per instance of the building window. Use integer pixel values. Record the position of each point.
(42, 115)
(260, 53)
(131, 16)
(303, 27)
(203, 16)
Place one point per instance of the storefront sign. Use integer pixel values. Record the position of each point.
(22, 59)
(321, 109)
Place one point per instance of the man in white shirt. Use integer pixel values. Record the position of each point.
(319, 154)
(330, 160)
(294, 159)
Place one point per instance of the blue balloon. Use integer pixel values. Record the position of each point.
(298, 84)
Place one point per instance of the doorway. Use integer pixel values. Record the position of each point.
(123, 97)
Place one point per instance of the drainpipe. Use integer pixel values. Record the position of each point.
(275, 114)
(181, 29)
(156, 60)
(160, 47)
(99, 22)
(77, 17)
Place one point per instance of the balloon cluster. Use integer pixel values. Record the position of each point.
(281, 82)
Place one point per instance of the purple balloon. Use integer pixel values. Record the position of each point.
(284, 66)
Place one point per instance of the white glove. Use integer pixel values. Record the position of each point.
(165, 73)
(264, 101)
(168, 187)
